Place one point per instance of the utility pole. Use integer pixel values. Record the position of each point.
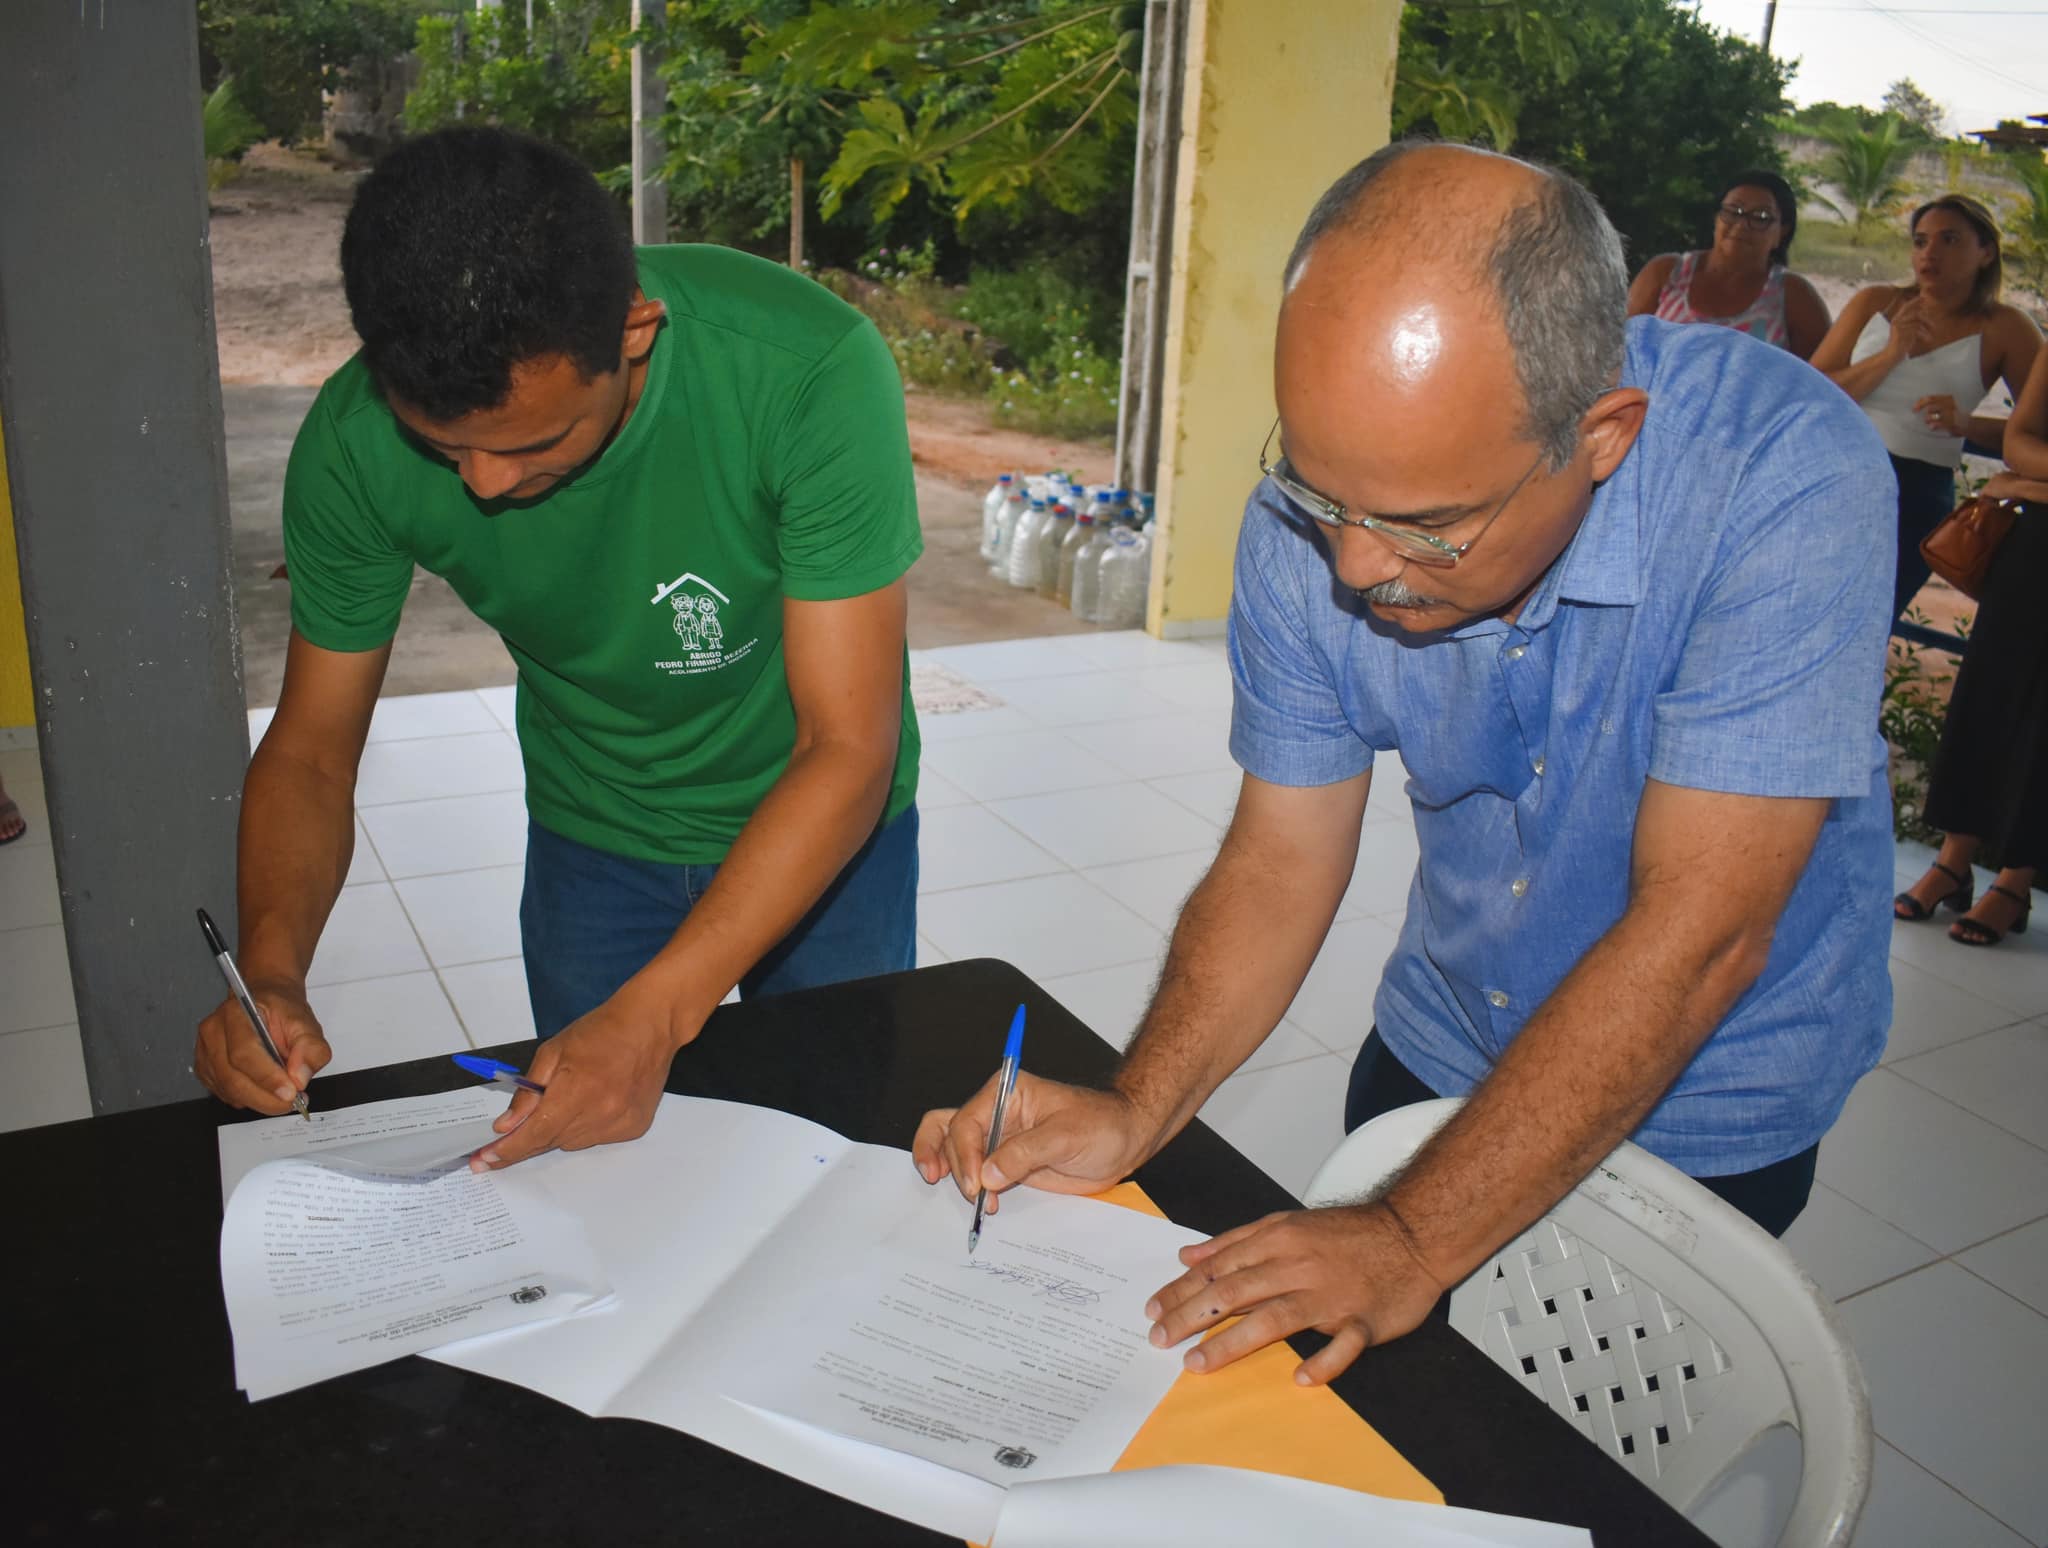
(650, 198)
(1770, 19)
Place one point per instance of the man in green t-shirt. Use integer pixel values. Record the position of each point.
(677, 482)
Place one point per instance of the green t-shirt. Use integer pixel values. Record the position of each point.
(767, 458)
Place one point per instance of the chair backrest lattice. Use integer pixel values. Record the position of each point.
(1621, 1361)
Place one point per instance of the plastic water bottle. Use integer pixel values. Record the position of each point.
(1126, 577)
(1051, 538)
(1086, 594)
(1145, 512)
(1020, 564)
(1070, 546)
(991, 514)
(1012, 512)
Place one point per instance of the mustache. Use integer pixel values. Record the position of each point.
(1396, 593)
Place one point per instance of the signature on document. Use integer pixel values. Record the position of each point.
(1068, 1292)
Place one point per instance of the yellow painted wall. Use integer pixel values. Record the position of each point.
(17, 704)
(1281, 96)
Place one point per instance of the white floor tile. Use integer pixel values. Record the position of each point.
(1285, 1044)
(375, 1021)
(458, 833)
(2002, 1076)
(1334, 1004)
(1200, 684)
(259, 722)
(1110, 1000)
(42, 1078)
(934, 790)
(1381, 875)
(929, 955)
(363, 864)
(1019, 763)
(1846, 1248)
(1186, 742)
(28, 886)
(1107, 825)
(18, 765)
(1388, 793)
(490, 998)
(938, 730)
(1936, 1172)
(1045, 925)
(995, 661)
(27, 793)
(2016, 1262)
(1084, 698)
(1930, 1012)
(1133, 650)
(1941, 1330)
(367, 936)
(409, 715)
(1154, 889)
(37, 976)
(1286, 1119)
(2013, 973)
(426, 768)
(967, 846)
(1211, 794)
(466, 916)
(1909, 1507)
(503, 703)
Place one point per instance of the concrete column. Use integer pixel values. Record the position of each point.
(1280, 96)
(110, 395)
(650, 101)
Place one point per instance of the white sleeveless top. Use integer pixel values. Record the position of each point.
(1955, 369)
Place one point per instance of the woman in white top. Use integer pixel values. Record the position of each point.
(1920, 357)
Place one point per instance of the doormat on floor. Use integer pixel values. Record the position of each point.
(937, 691)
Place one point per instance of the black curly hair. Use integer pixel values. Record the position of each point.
(1781, 195)
(471, 250)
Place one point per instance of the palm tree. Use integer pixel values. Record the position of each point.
(2026, 228)
(1864, 167)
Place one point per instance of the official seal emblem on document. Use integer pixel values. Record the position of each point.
(1015, 1456)
(526, 1295)
(695, 603)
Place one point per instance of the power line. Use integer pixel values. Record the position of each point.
(1954, 53)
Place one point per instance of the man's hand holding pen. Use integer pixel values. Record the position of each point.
(231, 1061)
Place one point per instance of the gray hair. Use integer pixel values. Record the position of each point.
(1558, 277)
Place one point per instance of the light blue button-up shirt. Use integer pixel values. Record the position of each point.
(1718, 622)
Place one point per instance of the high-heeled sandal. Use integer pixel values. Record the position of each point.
(1975, 932)
(1959, 897)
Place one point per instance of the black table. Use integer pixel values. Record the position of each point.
(126, 1427)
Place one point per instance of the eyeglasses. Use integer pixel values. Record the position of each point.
(1405, 540)
(1761, 217)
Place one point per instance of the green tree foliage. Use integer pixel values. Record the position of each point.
(1646, 104)
(1919, 113)
(283, 54)
(2026, 228)
(1867, 169)
(568, 82)
(227, 129)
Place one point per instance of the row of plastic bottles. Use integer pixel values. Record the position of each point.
(1089, 549)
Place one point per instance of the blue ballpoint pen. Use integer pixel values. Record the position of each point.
(496, 1072)
(1006, 1082)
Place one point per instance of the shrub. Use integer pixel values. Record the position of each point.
(1071, 394)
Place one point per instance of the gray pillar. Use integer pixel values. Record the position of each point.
(650, 101)
(110, 397)
(1146, 287)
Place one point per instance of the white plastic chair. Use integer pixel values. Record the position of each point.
(1675, 1333)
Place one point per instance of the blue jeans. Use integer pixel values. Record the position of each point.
(1926, 494)
(589, 920)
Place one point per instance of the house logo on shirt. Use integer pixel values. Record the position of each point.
(694, 614)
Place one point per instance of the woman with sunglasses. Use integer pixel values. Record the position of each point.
(1740, 281)
(1919, 359)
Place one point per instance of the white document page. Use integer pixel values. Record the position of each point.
(1225, 1507)
(739, 1238)
(352, 1241)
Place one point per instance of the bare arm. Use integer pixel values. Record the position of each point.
(2018, 343)
(1831, 359)
(1649, 285)
(1710, 876)
(2026, 436)
(1806, 316)
(605, 1072)
(296, 839)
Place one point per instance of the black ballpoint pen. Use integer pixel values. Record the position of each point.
(240, 990)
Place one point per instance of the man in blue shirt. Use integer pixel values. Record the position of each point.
(1623, 613)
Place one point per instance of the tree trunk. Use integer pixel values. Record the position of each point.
(796, 212)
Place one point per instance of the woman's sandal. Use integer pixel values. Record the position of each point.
(1974, 932)
(1959, 897)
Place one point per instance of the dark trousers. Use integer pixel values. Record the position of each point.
(1771, 1195)
(1926, 494)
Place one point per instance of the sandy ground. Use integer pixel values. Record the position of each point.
(282, 325)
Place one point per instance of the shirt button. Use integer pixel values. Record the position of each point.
(1538, 767)
(1521, 886)
(1497, 999)
(1516, 652)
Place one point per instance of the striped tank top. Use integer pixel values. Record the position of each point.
(1763, 318)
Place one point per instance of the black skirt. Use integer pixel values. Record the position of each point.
(1990, 777)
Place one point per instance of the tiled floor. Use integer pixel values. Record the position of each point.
(1062, 827)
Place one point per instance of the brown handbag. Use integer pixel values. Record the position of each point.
(1960, 549)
